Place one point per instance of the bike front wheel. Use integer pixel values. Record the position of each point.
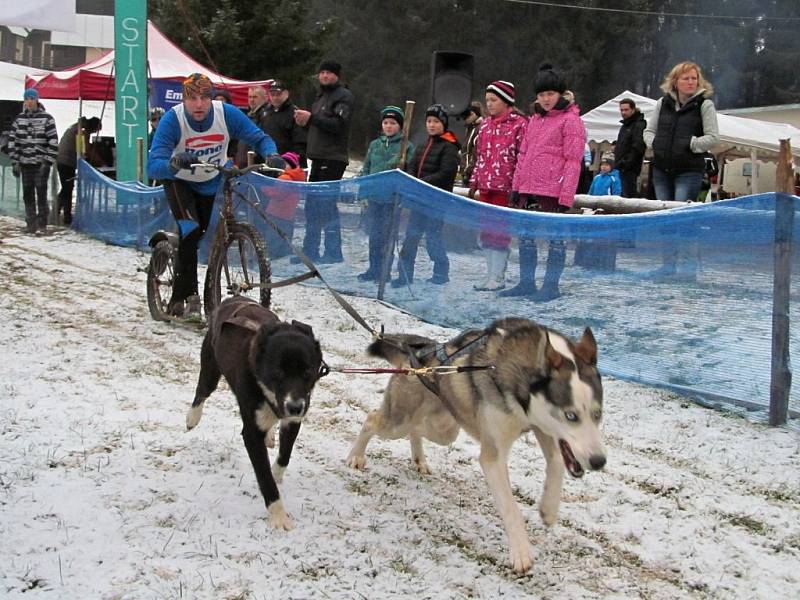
(160, 279)
(238, 268)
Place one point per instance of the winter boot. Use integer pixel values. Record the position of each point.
(669, 267)
(483, 285)
(497, 272)
(556, 257)
(527, 271)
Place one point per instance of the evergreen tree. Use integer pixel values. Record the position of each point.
(246, 39)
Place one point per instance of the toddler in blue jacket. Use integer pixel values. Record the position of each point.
(607, 182)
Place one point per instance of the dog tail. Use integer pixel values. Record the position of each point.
(394, 348)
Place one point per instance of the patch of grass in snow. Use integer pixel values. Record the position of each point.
(748, 523)
(656, 488)
(403, 564)
(782, 494)
(361, 488)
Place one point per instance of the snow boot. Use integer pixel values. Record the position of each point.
(527, 271)
(556, 257)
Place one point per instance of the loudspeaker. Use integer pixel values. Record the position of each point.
(451, 80)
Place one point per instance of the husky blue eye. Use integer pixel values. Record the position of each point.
(596, 415)
(571, 416)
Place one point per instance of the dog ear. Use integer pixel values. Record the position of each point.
(306, 329)
(554, 358)
(586, 349)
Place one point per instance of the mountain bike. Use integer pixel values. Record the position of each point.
(238, 262)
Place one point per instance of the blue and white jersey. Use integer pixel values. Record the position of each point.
(209, 138)
(209, 146)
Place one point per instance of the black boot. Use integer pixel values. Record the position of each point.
(527, 271)
(556, 257)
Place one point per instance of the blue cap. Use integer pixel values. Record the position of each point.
(31, 93)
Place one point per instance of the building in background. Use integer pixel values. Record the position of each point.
(93, 36)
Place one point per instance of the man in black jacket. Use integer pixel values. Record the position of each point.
(629, 149)
(279, 124)
(257, 101)
(328, 124)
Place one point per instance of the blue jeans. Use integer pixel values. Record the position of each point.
(682, 187)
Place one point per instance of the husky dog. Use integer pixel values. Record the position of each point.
(540, 381)
(272, 367)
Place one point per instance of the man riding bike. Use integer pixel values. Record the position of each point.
(198, 129)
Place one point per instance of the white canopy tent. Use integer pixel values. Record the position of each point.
(738, 136)
(65, 112)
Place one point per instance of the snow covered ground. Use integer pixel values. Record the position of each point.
(103, 494)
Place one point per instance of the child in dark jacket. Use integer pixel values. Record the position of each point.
(383, 155)
(435, 163)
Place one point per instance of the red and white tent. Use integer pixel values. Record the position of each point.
(94, 80)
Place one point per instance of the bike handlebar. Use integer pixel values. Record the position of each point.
(236, 171)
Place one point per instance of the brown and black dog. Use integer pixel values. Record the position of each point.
(272, 367)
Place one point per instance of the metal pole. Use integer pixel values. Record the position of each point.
(781, 375)
(753, 172)
(140, 159)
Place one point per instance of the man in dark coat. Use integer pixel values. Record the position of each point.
(67, 160)
(629, 149)
(257, 101)
(279, 124)
(328, 124)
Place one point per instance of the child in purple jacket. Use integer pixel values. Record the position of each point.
(546, 177)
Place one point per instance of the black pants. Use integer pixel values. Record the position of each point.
(322, 214)
(34, 193)
(629, 187)
(192, 211)
(66, 175)
(420, 224)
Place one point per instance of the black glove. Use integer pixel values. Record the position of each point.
(275, 161)
(181, 160)
(15, 170)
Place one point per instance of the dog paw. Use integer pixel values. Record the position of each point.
(193, 416)
(422, 467)
(278, 517)
(277, 472)
(356, 461)
(521, 557)
(549, 514)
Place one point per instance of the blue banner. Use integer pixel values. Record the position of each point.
(165, 93)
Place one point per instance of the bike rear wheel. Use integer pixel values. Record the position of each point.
(160, 279)
(240, 268)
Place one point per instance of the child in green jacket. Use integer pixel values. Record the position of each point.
(383, 155)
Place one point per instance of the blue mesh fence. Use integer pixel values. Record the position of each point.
(10, 190)
(704, 330)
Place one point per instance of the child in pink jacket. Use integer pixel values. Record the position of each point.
(546, 177)
(497, 148)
